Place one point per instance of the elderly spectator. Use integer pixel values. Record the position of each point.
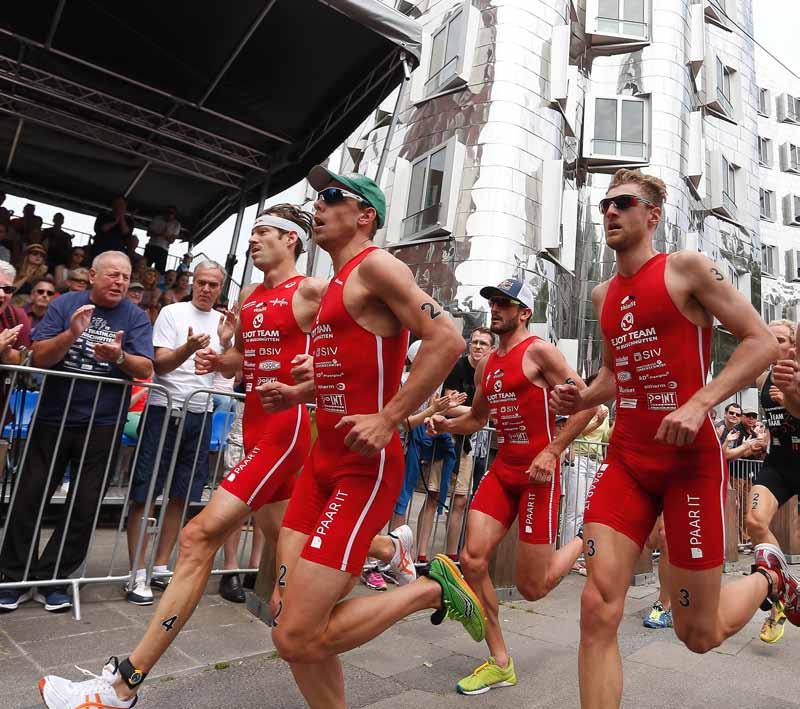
(42, 294)
(13, 319)
(57, 242)
(179, 291)
(113, 229)
(77, 255)
(79, 279)
(163, 231)
(152, 293)
(180, 330)
(33, 269)
(135, 291)
(78, 424)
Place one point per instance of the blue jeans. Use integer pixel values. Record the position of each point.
(420, 450)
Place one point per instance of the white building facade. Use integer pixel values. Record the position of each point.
(505, 139)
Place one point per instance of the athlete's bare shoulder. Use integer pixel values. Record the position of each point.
(381, 264)
(544, 354)
(693, 268)
(246, 292)
(312, 288)
(599, 293)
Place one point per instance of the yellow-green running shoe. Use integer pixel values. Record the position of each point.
(772, 629)
(488, 676)
(460, 601)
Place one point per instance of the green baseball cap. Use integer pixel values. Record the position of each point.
(320, 178)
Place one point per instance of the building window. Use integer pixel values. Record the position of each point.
(769, 258)
(433, 191)
(447, 44)
(618, 126)
(733, 276)
(622, 17)
(791, 209)
(763, 102)
(788, 108)
(790, 157)
(724, 88)
(728, 185)
(764, 152)
(766, 200)
(771, 312)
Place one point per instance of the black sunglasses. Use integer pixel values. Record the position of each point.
(504, 302)
(41, 291)
(8, 289)
(623, 202)
(335, 195)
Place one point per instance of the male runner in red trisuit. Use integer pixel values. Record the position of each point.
(348, 488)
(656, 315)
(512, 386)
(275, 319)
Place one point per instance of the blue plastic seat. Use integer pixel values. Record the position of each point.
(221, 422)
(21, 418)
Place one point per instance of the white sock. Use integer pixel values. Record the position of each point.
(158, 569)
(141, 575)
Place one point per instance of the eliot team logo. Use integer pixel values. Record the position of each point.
(627, 322)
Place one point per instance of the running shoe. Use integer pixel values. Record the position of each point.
(658, 618)
(772, 629)
(457, 597)
(97, 692)
(372, 578)
(768, 556)
(138, 592)
(402, 563)
(13, 598)
(53, 598)
(488, 676)
(160, 583)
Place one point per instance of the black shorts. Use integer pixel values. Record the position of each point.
(781, 478)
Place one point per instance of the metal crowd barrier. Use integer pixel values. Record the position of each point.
(741, 477)
(69, 530)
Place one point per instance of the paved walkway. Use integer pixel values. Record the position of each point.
(224, 658)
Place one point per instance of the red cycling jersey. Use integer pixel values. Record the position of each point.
(525, 426)
(660, 359)
(343, 498)
(275, 443)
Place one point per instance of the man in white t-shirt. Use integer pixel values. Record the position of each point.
(180, 330)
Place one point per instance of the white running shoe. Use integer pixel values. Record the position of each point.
(60, 693)
(402, 563)
(139, 593)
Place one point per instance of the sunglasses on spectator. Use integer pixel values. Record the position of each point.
(335, 195)
(80, 280)
(501, 302)
(623, 202)
(8, 290)
(42, 291)
(733, 413)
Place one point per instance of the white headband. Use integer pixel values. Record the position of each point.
(280, 223)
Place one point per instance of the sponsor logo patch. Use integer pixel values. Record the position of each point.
(623, 376)
(628, 403)
(662, 401)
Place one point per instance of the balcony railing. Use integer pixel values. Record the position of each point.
(422, 221)
(725, 102)
(729, 203)
(620, 149)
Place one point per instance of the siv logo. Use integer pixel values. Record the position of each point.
(662, 401)
(646, 354)
(627, 302)
(258, 320)
(627, 322)
(623, 376)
